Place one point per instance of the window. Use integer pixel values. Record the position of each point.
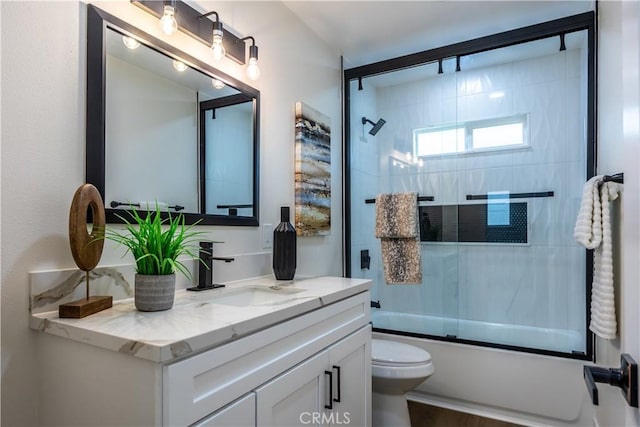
(482, 135)
(439, 141)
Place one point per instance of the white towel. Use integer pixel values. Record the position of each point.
(593, 231)
(588, 228)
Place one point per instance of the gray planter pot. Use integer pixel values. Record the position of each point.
(154, 293)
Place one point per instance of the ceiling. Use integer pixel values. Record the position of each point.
(366, 31)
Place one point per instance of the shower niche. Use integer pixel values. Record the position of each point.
(478, 223)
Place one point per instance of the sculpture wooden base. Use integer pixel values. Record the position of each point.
(84, 307)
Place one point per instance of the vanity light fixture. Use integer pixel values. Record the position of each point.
(168, 21)
(218, 84)
(130, 42)
(191, 21)
(253, 71)
(179, 65)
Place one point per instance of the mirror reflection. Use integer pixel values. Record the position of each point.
(153, 105)
(175, 134)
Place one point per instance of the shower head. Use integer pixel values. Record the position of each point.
(376, 126)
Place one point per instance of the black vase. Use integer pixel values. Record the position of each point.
(284, 247)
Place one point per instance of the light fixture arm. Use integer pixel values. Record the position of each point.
(217, 25)
(253, 41)
(204, 15)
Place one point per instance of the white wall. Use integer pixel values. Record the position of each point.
(43, 147)
(619, 151)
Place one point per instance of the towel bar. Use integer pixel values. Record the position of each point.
(420, 199)
(617, 177)
(510, 195)
(115, 204)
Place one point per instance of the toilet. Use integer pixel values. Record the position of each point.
(396, 368)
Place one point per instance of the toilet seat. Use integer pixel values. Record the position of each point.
(393, 353)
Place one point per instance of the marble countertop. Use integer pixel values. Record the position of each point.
(196, 322)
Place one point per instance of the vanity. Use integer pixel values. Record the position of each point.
(259, 352)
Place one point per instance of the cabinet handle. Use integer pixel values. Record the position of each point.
(330, 405)
(337, 368)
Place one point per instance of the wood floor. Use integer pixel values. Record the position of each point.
(431, 416)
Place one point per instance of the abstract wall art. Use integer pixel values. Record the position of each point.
(313, 172)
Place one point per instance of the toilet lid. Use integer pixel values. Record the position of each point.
(385, 352)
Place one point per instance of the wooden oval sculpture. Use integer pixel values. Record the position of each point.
(86, 244)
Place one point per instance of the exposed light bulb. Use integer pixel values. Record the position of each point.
(168, 21)
(219, 51)
(130, 42)
(253, 71)
(179, 65)
(217, 83)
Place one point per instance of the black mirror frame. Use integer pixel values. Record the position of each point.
(97, 23)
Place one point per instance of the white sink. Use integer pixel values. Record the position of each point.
(256, 295)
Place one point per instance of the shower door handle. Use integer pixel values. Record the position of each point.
(626, 377)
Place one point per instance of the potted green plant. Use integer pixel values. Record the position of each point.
(156, 244)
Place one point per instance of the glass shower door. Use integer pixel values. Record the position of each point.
(498, 140)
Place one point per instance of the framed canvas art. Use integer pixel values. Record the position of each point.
(313, 172)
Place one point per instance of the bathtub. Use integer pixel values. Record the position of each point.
(522, 388)
(560, 340)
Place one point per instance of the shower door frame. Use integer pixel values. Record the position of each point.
(558, 27)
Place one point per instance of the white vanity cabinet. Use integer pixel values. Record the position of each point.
(331, 388)
(288, 366)
(277, 369)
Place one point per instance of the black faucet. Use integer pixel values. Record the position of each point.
(205, 268)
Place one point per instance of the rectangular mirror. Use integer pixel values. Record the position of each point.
(163, 127)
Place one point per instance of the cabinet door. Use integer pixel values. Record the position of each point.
(296, 397)
(350, 361)
(239, 413)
